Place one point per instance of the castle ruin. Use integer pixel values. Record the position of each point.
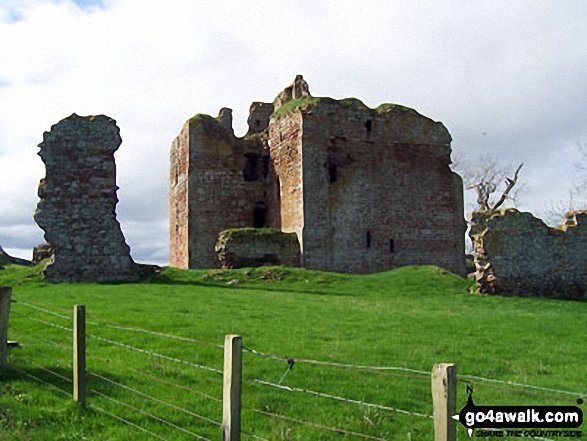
(517, 254)
(77, 207)
(365, 190)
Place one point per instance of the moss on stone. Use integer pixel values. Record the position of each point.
(202, 117)
(309, 101)
(238, 233)
(390, 107)
(293, 105)
(352, 102)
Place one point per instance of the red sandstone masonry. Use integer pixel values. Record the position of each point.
(365, 190)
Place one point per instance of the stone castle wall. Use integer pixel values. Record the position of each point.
(377, 192)
(517, 254)
(220, 184)
(77, 207)
(364, 190)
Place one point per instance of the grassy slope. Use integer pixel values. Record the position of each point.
(411, 317)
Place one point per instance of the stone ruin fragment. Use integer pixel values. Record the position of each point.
(77, 207)
(517, 254)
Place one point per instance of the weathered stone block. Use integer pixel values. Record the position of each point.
(77, 209)
(252, 247)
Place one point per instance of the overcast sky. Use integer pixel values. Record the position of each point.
(507, 78)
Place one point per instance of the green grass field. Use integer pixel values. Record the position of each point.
(412, 317)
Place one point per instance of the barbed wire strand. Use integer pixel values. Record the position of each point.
(107, 324)
(150, 415)
(155, 354)
(528, 386)
(309, 423)
(159, 334)
(58, 375)
(523, 392)
(391, 368)
(26, 374)
(52, 386)
(51, 342)
(157, 400)
(337, 365)
(168, 383)
(160, 380)
(44, 340)
(39, 308)
(337, 398)
(43, 321)
(122, 420)
(253, 436)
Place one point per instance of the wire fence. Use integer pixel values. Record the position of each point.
(101, 384)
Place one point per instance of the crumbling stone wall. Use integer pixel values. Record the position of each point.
(517, 254)
(217, 182)
(77, 207)
(253, 247)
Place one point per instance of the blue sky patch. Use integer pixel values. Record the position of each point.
(89, 4)
(12, 16)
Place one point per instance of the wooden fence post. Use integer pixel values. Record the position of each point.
(79, 354)
(444, 398)
(231, 393)
(5, 298)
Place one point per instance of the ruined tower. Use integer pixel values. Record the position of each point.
(365, 190)
(77, 207)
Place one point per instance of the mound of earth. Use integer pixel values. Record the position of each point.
(6, 259)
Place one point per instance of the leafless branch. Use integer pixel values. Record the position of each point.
(510, 185)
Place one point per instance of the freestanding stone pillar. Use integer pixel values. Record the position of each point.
(77, 207)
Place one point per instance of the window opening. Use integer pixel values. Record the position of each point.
(260, 216)
(278, 189)
(332, 173)
(250, 171)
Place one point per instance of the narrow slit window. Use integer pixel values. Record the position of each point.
(368, 239)
(391, 246)
(278, 189)
(260, 216)
(332, 173)
(250, 171)
(369, 125)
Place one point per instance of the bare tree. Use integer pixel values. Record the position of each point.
(485, 179)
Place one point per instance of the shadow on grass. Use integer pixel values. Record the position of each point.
(57, 377)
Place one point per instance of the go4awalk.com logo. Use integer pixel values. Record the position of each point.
(521, 421)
